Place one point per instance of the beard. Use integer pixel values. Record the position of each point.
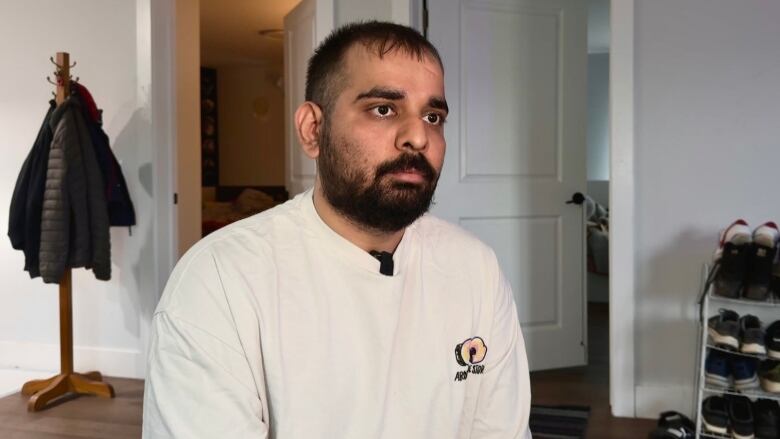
(373, 202)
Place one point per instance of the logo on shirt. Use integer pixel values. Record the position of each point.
(469, 354)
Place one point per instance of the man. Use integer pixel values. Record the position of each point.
(346, 312)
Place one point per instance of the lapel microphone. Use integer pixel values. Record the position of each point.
(385, 262)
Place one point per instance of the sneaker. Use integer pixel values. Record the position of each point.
(751, 335)
(716, 369)
(724, 329)
(769, 373)
(773, 340)
(674, 425)
(761, 261)
(766, 413)
(732, 259)
(744, 371)
(715, 415)
(774, 284)
(740, 417)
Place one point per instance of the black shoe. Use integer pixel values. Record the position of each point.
(724, 329)
(751, 335)
(673, 425)
(761, 260)
(767, 416)
(715, 415)
(774, 284)
(732, 259)
(773, 340)
(741, 417)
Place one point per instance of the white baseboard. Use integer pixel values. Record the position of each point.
(652, 400)
(115, 362)
(12, 380)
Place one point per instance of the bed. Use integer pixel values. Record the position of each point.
(227, 204)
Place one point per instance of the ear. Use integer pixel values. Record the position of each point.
(308, 123)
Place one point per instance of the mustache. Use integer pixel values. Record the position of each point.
(407, 162)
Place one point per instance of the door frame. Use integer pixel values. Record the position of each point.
(622, 298)
(163, 134)
(621, 188)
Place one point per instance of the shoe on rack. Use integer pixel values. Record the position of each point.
(715, 415)
(673, 425)
(773, 340)
(769, 373)
(761, 260)
(744, 371)
(766, 413)
(731, 257)
(740, 417)
(724, 329)
(716, 369)
(752, 337)
(774, 284)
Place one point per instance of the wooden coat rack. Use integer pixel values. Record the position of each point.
(43, 391)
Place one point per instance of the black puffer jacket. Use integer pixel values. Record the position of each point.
(24, 225)
(74, 221)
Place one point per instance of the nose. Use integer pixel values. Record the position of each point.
(412, 135)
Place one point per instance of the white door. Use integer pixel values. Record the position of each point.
(304, 28)
(515, 77)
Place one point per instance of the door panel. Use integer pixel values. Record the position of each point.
(304, 28)
(515, 77)
(527, 115)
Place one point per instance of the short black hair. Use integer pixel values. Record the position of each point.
(324, 75)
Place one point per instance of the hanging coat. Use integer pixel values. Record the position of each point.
(74, 220)
(24, 225)
(120, 206)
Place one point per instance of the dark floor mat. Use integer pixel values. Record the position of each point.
(559, 422)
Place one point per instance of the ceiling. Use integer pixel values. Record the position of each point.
(229, 31)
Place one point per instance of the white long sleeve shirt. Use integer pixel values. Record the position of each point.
(277, 327)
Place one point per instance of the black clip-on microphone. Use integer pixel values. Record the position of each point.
(385, 262)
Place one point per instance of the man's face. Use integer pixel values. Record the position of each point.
(382, 142)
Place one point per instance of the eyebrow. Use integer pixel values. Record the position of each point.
(439, 104)
(392, 94)
(382, 92)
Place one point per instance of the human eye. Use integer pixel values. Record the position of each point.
(383, 111)
(434, 119)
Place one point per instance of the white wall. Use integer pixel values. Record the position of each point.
(354, 10)
(598, 116)
(251, 146)
(110, 318)
(706, 152)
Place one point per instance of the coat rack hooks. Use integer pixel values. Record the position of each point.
(51, 58)
(60, 72)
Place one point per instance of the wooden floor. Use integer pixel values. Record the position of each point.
(589, 386)
(120, 418)
(85, 417)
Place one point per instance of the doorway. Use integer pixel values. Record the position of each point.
(242, 109)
